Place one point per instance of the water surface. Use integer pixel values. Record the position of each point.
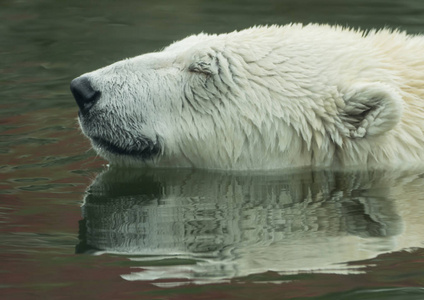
(73, 228)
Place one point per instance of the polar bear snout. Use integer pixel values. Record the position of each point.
(84, 93)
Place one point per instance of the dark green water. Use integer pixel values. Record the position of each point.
(70, 228)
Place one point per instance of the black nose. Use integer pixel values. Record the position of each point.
(84, 93)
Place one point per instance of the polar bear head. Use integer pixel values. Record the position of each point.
(262, 98)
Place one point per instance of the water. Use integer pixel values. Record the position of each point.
(73, 228)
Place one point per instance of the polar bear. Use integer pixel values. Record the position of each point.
(267, 97)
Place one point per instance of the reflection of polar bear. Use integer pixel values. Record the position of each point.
(235, 225)
(262, 98)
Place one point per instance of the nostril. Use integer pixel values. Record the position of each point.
(84, 93)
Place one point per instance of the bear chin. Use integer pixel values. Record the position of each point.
(144, 149)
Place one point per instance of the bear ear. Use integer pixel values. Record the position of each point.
(370, 109)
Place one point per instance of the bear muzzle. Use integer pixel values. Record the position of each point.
(84, 93)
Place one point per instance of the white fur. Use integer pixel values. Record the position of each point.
(267, 98)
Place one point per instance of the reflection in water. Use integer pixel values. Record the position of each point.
(211, 227)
